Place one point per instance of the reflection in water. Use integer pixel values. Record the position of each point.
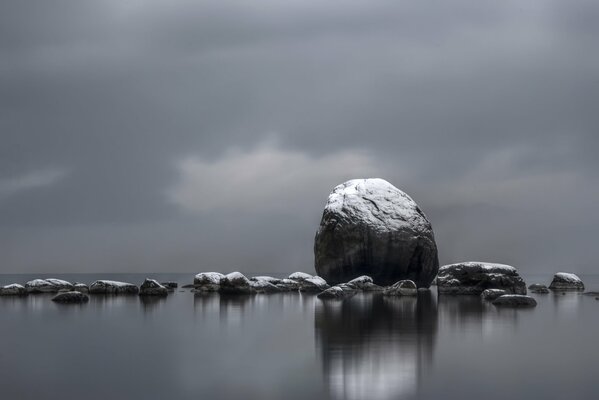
(376, 347)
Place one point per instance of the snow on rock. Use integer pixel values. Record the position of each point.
(235, 283)
(514, 300)
(113, 287)
(370, 227)
(300, 276)
(13, 290)
(401, 288)
(474, 277)
(208, 281)
(313, 284)
(492, 294)
(50, 285)
(71, 297)
(365, 283)
(151, 287)
(336, 292)
(566, 281)
(263, 286)
(170, 285)
(268, 279)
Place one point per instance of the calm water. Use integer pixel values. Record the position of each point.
(292, 346)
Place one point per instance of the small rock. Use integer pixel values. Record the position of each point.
(71, 297)
(268, 279)
(365, 283)
(81, 287)
(471, 278)
(514, 300)
(536, 286)
(235, 283)
(566, 281)
(13, 290)
(542, 290)
(313, 284)
(188, 286)
(112, 287)
(492, 294)
(300, 276)
(264, 287)
(151, 287)
(170, 285)
(591, 293)
(288, 285)
(336, 292)
(401, 288)
(208, 281)
(50, 285)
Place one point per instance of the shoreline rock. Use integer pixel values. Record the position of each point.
(514, 300)
(49, 285)
(72, 297)
(151, 287)
(104, 286)
(492, 294)
(401, 288)
(473, 277)
(566, 281)
(13, 289)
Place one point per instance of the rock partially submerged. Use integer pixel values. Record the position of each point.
(208, 281)
(288, 285)
(235, 283)
(170, 285)
(472, 278)
(13, 290)
(365, 283)
(370, 227)
(264, 287)
(81, 287)
(337, 292)
(113, 287)
(401, 288)
(514, 300)
(268, 279)
(151, 287)
(300, 276)
(566, 281)
(313, 284)
(50, 285)
(492, 294)
(72, 297)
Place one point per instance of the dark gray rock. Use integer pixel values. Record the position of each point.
(514, 300)
(268, 279)
(235, 283)
(492, 294)
(81, 287)
(365, 283)
(566, 281)
(401, 288)
(535, 286)
(263, 286)
(170, 285)
(112, 287)
(188, 286)
(542, 290)
(314, 284)
(336, 293)
(208, 281)
(13, 290)
(288, 285)
(151, 287)
(591, 293)
(71, 297)
(50, 285)
(472, 278)
(369, 227)
(300, 276)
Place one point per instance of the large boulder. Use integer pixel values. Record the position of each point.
(474, 277)
(50, 285)
(370, 227)
(151, 287)
(13, 290)
(566, 281)
(113, 287)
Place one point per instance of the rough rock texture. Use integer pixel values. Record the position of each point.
(13, 290)
(300, 276)
(369, 227)
(81, 287)
(566, 281)
(208, 281)
(235, 283)
(150, 287)
(268, 279)
(492, 294)
(401, 288)
(313, 284)
(542, 290)
(474, 277)
(113, 287)
(50, 285)
(365, 283)
(514, 300)
(288, 285)
(170, 285)
(337, 292)
(263, 286)
(71, 297)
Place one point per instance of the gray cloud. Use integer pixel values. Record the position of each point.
(485, 113)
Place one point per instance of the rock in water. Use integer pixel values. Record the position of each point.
(474, 277)
(150, 287)
(336, 292)
(235, 283)
(369, 227)
(13, 290)
(112, 287)
(71, 297)
(208, 281)
(492, 294)
(50, 285)
(401, 288)
(566, 281)
(514, 300)
(365, 283)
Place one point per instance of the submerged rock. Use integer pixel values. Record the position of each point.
(13, 290)
(288, 285)
(208, 281)
(535, 286)
(370, 227)
(566, 281)
(113, 287)
(300, 276)
(151, 287)
(337, 292)
(313, 284)
(235, 283)
(71, 297)
(514, 300)
(492, 294)
(365, 283)
(474, 277)
(50, 285)
(170, 285)
(401, 288)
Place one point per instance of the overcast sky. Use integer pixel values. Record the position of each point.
(206, 135)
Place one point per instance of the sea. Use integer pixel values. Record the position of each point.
(296, 346)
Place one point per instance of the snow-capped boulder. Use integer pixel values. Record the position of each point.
(288, 285)
(151, 287)
(401, 288)
(113, 287)
(300, 276)
(566, 281)
(341, 291)
(13, 290)
(264, 278)
(235, 283)
(514, 300)
(474, 277)
(492, 294)
(365, 283)
(370, 227)
(208, 281)
(50, 285)
(313, 284)
(81, 287)
(71, 297)
(263, 286)
(170, 285)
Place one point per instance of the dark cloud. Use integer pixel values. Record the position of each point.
(484, 112)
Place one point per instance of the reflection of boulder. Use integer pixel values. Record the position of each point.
(376, 347)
